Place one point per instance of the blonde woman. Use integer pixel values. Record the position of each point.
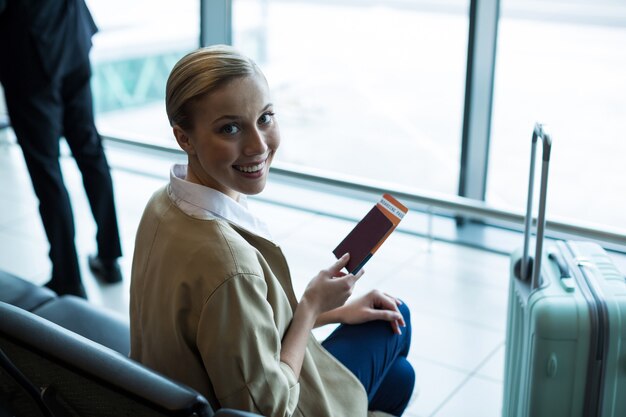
(212, 303)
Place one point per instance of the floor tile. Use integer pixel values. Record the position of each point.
(451, 343)
(13, 167)
(468, 264)
(25, 257)
(326, 231)
(493, 368)
(22, 213)
(478, 397)
(435, 384)
(480, 307)
(438, 288)
(282, 221)
(305, 260)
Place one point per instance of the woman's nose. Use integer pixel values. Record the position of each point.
(256, 143)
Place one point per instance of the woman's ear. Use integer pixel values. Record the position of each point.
(184, 141)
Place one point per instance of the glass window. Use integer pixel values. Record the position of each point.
(367, 89)
(562, 64)
(137, 45)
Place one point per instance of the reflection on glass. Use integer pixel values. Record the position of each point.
(565, 68)
(137, 45)
(371, 90)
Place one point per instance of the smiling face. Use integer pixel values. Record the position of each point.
(233, 137)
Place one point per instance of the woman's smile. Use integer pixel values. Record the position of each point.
(255, 169)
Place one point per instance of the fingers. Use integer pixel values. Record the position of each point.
(397, 300)
(339, 264)
(335, 270)
(395, 319)
(349, 279)
(387, 315)
(386, 302)
(358, 275)
(396, 327)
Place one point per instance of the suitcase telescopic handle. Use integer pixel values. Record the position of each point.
(528, 265)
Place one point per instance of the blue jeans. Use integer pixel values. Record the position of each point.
(378, 358)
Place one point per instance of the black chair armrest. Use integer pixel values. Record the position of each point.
(78, 315)
(22, 293)
(226, 412)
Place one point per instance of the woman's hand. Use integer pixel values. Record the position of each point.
(330, 288)
(375, 305)
(327, 291)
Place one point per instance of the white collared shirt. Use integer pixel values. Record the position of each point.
(203, 202)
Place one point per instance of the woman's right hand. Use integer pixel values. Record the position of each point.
(330, 288)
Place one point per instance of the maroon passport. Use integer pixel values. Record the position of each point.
(369, 234)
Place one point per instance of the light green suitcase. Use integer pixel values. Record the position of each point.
(566, 329)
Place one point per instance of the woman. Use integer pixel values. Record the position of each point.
(212, 303)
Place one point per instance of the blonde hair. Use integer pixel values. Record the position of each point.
(199, 73)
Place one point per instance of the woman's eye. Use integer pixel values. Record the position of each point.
(230, 129)
(266, 118)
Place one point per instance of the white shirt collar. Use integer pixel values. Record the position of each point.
(206, 203)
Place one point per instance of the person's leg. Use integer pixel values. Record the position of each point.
(83, 139)
(35, 113)
(395, 390)
(371, 350)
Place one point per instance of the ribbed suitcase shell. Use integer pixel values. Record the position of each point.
(559, 360)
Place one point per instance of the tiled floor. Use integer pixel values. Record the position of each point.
(457, 295)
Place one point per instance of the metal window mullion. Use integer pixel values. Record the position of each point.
(481, 59)
(216, 22)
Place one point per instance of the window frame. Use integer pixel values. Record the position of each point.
(469, 203)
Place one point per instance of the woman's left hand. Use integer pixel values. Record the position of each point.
(375, 305)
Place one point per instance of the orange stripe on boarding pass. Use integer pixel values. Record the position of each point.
(392, 209)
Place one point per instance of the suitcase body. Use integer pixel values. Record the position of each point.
(566, 339)
(566, 330)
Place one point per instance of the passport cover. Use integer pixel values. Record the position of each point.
(370, 233)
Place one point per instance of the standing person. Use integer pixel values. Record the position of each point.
(212, 303)
(45, 71)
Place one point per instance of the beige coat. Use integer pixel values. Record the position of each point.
(210, 304)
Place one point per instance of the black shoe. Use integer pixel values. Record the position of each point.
(66, 289)
(105, 270)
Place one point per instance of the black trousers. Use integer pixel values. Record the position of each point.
(41, 111)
